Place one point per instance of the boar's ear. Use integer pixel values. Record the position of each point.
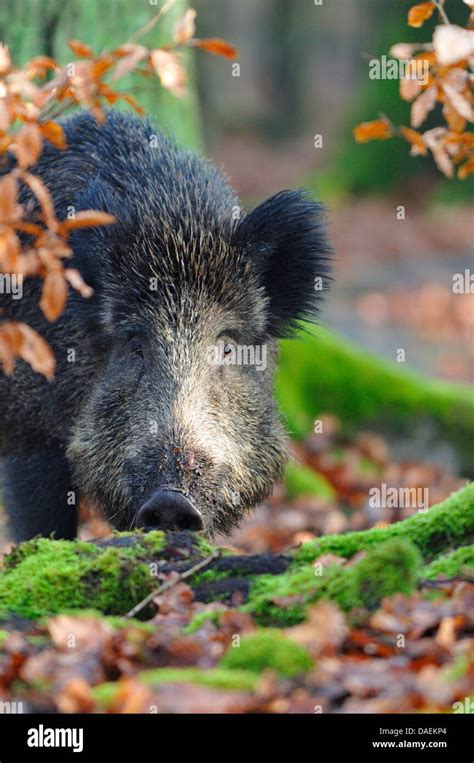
(286, 240)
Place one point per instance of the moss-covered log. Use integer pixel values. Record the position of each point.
(324, 373)
(44, 576)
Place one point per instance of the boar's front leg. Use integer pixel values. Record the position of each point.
(38, 495)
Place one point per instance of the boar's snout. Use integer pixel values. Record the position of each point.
(169, 510)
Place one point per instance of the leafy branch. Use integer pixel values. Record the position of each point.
(28, 97)
(447, 64)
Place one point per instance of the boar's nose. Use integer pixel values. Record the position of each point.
(168, 510)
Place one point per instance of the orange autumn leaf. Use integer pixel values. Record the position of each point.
(452, 44)
(422, 105)
(11, 340)
(133, 103)
(31, 228)
(77, 282)
(28, 145)
(36, 351)
(110, 95)
(88, 218)
(80, 49)
(454, 120)
(41, 192)
(379, 129)
(409, 88)
(216, 46)
(466, 169)
(460, 102)
(402, 50)
(101, 65)
(9, 250)
(5, 62)
(53, 132)
(98, 113)
(131, 56)
(435, 139)
(416, 140)
(20, 340)
(170, 70)
(418, 14)
(185, 27)
(9, 208)
(43, 62)
(53, 295)
(5, 143)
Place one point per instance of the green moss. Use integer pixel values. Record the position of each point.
(38, 545)
(200, 619)
(153, 542)
(447, 524)
(105, 694)
(216, 678)
(368, 468)
(268, 649)
(45, 576)
(302, 480)
(321, 372)
(460, 668)
(392, 567)
(451, 565)
(297, 587)
(209, 576)
(205, 548)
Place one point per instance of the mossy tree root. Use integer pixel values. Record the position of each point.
(324, 373)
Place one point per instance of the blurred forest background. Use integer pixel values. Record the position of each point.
(304, 72)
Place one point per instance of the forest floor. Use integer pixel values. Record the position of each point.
(411, 652)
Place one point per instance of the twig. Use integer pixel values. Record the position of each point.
(171, 583)
(441, 11)
(55, 112)
(445, 581)
(154, 20)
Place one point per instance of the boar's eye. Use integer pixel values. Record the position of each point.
(227, 343)
(137, 350)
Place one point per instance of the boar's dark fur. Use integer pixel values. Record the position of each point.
(135, 406)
